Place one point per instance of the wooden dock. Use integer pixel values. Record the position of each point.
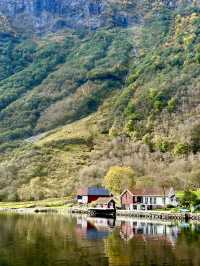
(101, 212)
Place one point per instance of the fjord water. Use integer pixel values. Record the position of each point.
(50, 240)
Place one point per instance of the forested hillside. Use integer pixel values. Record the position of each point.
(121, 90)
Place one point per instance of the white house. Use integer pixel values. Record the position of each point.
(148, 198)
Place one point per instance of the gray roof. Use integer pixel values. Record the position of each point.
(95, 191)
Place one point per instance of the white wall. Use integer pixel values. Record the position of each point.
(83, 200)
(159, 201)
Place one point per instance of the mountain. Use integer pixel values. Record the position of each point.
(40, 16)
(85, 85)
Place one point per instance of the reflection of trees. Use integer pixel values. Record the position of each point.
(137, 251)
(50, 240)
(36, 240)
(143, 250)
(188, 245)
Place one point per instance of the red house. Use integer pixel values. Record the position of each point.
(87, 195)
(148, 198)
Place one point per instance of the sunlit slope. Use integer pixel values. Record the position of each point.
(49, 165)
(65, 79)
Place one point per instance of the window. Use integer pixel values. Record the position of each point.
(154, 200)
(151, 200)
(139, 199)
(146, 200)
(163, 200)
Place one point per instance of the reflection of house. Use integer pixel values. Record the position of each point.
(145, 230)
(102, 223)
(87, 195)
(82, 226)
(94, 228)
(127, 230)
(147, 198)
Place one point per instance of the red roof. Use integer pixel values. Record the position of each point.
(149, 191)
(103, 200)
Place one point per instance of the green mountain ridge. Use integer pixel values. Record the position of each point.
(115, 96)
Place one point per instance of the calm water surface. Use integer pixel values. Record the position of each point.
(50, 240)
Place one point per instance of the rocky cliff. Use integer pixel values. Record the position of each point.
(52, 15)
(43, 15)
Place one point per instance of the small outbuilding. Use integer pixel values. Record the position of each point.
(104, 203)
(90, 194)
(102, 207)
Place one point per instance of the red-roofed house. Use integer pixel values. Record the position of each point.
(148, 198)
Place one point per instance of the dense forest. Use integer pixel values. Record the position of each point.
(78, 100)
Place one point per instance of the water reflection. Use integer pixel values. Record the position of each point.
(50, 240)
(99, 228)
(94, 228)
(149, 231)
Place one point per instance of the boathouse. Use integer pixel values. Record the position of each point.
(102, 207)
(148, 198)
(90, 194)
(104, 203)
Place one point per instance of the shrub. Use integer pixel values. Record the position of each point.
(163, 144)
(189, 199)
(195, 138)
(171, 104)
(169, 206)
(181, 148)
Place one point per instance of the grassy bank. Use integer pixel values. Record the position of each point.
(52, 203)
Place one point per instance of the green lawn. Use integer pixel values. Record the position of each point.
(55, 202)
(179, 194)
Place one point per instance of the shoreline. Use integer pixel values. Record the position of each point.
(151, 215)
(156, 215)
(161, 215)
(34, 210)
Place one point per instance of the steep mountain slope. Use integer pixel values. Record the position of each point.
(41, 75)
(132, 66)
(39, 16)
(62, 80)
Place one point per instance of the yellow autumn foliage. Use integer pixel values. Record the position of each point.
(118, 178)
